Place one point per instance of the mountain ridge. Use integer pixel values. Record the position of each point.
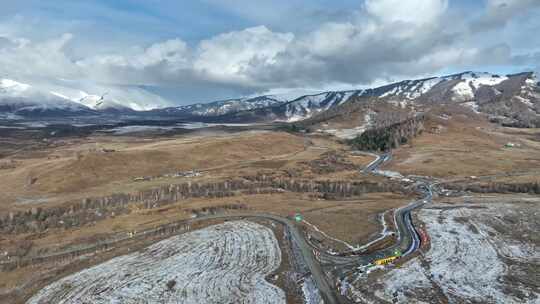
(497, 95)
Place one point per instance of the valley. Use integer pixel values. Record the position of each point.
(362, 201)
(270, 152)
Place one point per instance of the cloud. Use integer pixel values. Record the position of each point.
(231, 56)
(22, 57)
(499, 12)
(159, 63)
(5, 43)
(377, 44)
(416, 12)
(381, 39)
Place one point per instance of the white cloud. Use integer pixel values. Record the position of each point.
(230, 56)
(385, 39)
(416, 12)
(331, 38)
(173, 51)
(22, 57)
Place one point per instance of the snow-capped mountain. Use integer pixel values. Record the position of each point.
(23, 99)
(489, 93)
(307, 106)
(463, 86)
(512, 99)
(224, 107)
(72, 96)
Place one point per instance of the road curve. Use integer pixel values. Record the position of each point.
(408, 238)
(327, 291)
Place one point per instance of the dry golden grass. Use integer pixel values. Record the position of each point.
(350, 220)
(467, 146)
(80, 170)
(354, 221)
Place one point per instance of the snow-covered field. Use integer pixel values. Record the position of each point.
(485, 254)
(480, 253)
(225, 263)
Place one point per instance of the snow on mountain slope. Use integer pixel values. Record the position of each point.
(463, 86)
(104, 102)
(407, 89)
(223, 107)
(496, 95)
(469, 82)
(457, 87)
(20, 97)
(66, 94)
(9, 86)
(306, 106)
(109, 98)
(462, 91)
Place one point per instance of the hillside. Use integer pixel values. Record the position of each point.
(511, 100)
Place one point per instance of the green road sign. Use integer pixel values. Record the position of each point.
(298, 217)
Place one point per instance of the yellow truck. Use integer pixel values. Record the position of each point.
(387, 260)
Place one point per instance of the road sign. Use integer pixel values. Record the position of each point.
(298, 217)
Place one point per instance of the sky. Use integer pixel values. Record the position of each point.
(204, 50)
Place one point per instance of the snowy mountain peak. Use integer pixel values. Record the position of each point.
(308, 105)
(101, 102)
(64, 94)
(227, 106)
(12, 87)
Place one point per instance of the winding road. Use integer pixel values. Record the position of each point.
(408, 239)
(328, 269)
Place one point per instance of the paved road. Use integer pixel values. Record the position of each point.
(328, 292)
(408, 238)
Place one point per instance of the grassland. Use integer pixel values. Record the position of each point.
(459, 145)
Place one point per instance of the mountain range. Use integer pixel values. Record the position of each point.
(512, 99)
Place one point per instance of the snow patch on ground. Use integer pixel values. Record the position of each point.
(353, 132)
(472, 105)
(225, 263)
(412, 274)
(311, 293)
(465, 261)
(389, 174)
